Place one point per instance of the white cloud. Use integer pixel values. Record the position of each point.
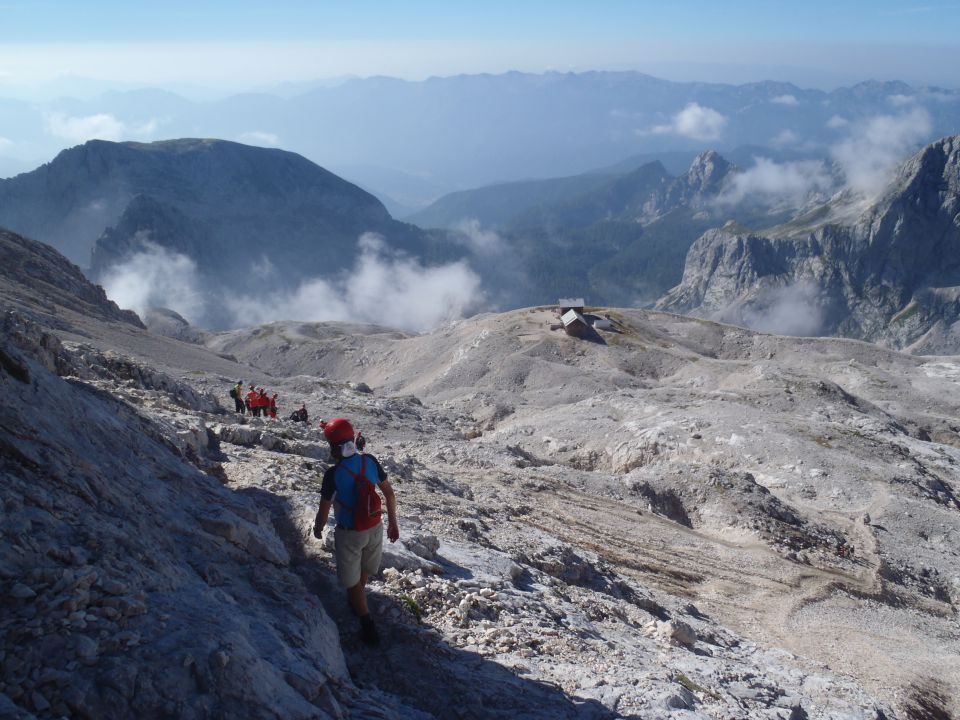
(694, 121)
(382, 288)
(5, 144)
(784, 138)
(769, 182)
(836, 122)
(901, 100)
(156, 277)
(480, 241)
(80, 129)
(257, 137)
(101, 126)
(789, 100)
(876, 146)
(795, 309)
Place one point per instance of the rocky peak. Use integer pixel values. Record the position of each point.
(708, 171)
(931, 178)
(887, 275)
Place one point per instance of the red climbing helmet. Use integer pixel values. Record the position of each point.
(338, 431)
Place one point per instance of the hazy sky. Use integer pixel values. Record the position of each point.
(236, 44)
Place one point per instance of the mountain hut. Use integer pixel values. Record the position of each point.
(574, 323)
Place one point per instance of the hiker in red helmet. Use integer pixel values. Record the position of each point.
(358, 537)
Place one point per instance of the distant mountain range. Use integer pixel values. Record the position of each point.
(248, 218)
(886, 271)
(414, 141)
(219, 218)
(253, 222)
(619, 239)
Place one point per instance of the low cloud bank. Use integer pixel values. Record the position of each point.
(382, 287)
(156, 277)
(795, 309)
(769, 182)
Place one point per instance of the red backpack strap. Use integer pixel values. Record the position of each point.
(363, 468)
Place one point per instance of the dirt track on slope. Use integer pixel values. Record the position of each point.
(807, 609)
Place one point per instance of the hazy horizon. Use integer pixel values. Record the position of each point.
(230, 47)
(69, 74)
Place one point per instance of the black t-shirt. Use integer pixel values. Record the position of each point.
(329, 487)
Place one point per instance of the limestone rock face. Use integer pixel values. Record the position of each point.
(888, 273)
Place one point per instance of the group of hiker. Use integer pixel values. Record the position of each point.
(255, 402)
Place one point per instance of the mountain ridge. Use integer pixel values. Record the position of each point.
(885, 273)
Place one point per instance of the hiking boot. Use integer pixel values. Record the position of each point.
(368, 631)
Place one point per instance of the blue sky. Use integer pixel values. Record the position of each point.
(813, 42)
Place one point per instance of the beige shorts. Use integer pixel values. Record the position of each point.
(357, 551)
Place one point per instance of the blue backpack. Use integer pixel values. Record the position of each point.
(366, 513)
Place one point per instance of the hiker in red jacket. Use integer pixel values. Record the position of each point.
(264, 402)
(273, 406)
(252, 402)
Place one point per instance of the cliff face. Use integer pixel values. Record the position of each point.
(888, 273)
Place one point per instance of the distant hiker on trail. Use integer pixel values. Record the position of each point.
(236, 392)
(252, 406)
(263, 402)
(358, 538)
(273, 406)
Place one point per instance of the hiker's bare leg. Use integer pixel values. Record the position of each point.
(358, 598)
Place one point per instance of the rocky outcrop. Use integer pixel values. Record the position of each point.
(36, 274)
(166, 322)
(888, 273)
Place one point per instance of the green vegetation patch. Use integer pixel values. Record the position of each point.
(413, 606)
(693, 687)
